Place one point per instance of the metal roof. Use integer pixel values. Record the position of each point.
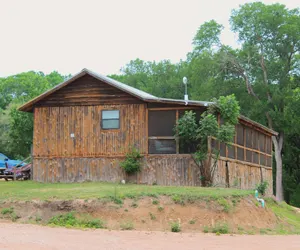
(27, 107)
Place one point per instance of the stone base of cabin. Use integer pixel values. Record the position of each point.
(167, 170)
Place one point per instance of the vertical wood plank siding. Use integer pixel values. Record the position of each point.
(53, 127)
(242, 175)
(167, 170)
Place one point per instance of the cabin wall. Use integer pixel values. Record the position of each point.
(167, 170)
(242, 175)
(53, 127)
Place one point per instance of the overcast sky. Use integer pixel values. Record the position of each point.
(68, 35)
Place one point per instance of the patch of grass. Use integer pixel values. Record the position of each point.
(155, 202)
(152, 216)
(205, 229)
(265, 231)
(192, 222)
(116, 200)
(178, 200)
(175, 227)
(225, 204)
(221, 228)
(160, 208)
(10, 213)
(38, 218)
(7, 211)
(127, 225)
(69, 220)
(126, 210)
(29, 190)
(289, 218)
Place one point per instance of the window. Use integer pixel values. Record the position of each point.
(110, 119)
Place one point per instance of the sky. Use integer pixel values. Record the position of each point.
(69, 35)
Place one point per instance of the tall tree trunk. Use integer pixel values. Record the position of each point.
(278, 143)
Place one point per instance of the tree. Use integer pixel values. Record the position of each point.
(189, 132)
(267, 62)
(16, 128)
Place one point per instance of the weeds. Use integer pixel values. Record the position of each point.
(155, 202)
(221, 228)
(7, 211)
(192, 222)
(69, 220)
(225, 204)
(160, 208)
(178, 200)
(175, 227)
(126, 225)
(152, 216)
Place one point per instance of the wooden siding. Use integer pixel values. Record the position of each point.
(53, 127)
(87, 90)
(241, 175)
(178, 170)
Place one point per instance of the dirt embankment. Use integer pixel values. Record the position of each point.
(155, 214)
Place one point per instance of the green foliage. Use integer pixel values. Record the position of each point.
(152, 216)
(225, 204)
(192, 222)
(189, 132)
(220, 228)
(155, 202)
(69, 220)
(16, 127)
(262, 187)
(160, 208)
(7, 211)
(132, 162)
(175, 227)
(127, 225)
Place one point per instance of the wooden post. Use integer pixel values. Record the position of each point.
(14, 171)
(177, 138)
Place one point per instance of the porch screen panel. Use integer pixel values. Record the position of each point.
(161, 123)
(161, 131)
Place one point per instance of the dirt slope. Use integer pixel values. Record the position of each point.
(151, 214)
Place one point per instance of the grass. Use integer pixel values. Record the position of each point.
(69, 220)
(29, 190)
(287, 215)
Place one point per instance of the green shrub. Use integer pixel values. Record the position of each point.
(225, 204)
(178, 199)
(160, 208)
(221, 228)
(6, 211)
(192, 222)
(206, 229)
(132, 162)
(127, 225)
(262, 187)
(152, 216)
(175, 227)
(155, 202)
(69, 220)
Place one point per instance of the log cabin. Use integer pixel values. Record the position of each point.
(84, 127)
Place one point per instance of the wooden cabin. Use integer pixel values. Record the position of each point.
(84, 126)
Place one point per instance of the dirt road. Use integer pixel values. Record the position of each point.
(21, 236)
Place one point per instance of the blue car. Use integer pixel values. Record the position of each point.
(10, 163)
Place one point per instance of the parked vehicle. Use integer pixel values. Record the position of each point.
(8, 164)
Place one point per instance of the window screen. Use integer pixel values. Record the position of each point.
(110, 119)
(240, 135)
(162, 123)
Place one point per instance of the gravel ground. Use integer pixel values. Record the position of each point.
(22, 236)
